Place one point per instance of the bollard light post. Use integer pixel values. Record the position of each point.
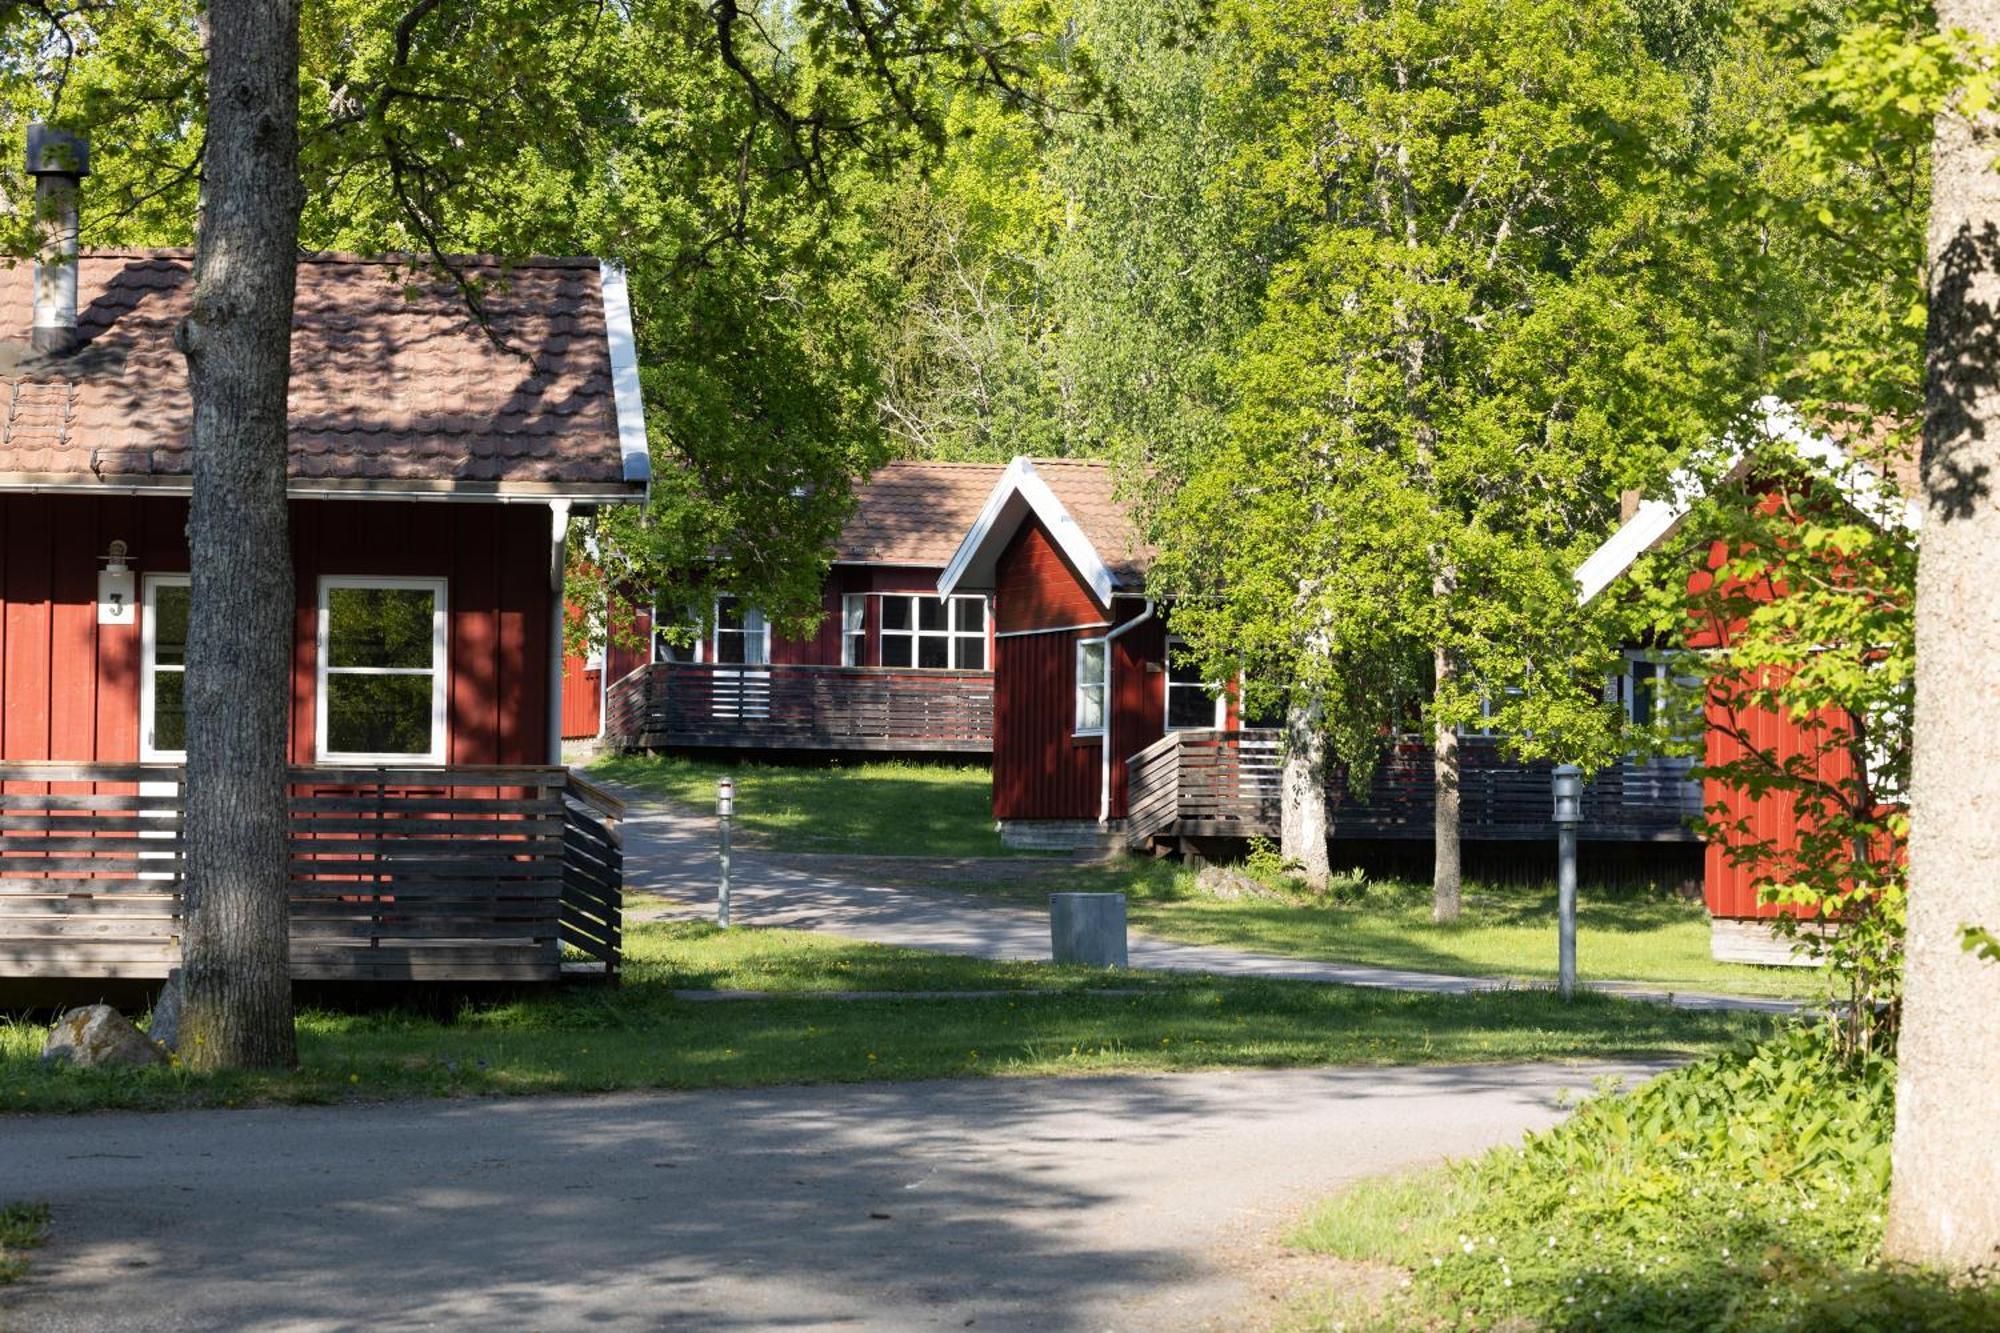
(725, 807)
(1568, 784)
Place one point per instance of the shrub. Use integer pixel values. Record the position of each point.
(1744, 1192)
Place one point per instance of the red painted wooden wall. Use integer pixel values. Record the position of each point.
(1041, 768)
(1729, 889)
(69, 688)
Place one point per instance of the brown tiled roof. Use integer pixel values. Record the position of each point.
(394, 385)
(915, 513)
(1090, 491)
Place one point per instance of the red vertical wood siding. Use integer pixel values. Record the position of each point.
(822, 647)
(1729, 889)
(1041, 768)
(69, 687)
(1035, 587)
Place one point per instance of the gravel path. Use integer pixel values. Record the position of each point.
(1142, 1203)
(671, 853)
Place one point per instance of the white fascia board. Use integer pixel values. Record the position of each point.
(1776, 420)
(626, 396)
(1020, 491)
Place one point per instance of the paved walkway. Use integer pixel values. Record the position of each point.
(1142, 1203)
(671, 853)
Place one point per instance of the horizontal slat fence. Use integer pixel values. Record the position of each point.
(1226, 784)
(802, 707)
(451, 874)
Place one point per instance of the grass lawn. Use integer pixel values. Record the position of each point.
(23, 1227)
(1062, 1021)
(1623, 935)
(885, 808)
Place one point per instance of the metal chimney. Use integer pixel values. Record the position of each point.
(58, 160)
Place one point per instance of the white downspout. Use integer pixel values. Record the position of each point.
(558, 614)
(1111, 712)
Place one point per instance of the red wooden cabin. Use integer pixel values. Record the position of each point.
(1079, 650)
(893, 666)
(1731, 888)
(432, 477)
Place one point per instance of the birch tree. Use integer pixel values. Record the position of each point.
(1944, 1203)
(1452, 374)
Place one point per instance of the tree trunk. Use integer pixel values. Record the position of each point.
(1445, 877)
(236, 975)
(1944, 1204)
(1302, 819)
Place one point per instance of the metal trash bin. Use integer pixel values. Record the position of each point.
(1087, 928)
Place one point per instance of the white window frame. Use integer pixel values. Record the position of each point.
(711, 644)
(148, 649)
(1102, 685)
(1219, 698)
(853, 629)
(439, 670)
(951, 634)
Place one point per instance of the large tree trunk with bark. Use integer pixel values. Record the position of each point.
(237, 338)
(1445, 874)
(1302, 826)
(1944, 1204)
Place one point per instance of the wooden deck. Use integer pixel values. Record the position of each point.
(457, 874)
(1218, 784)
(669, 705)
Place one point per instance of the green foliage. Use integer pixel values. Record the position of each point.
(1478, 329)
(1744, 1192)
(1079, 294)
(735, 157)
(1800, 596)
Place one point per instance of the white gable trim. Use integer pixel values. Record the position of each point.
(1019, 493)
(1777, 420)
(625, 392)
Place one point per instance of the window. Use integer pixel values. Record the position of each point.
(1092, 668)
(934, 633)
(1641, 689)
(1192, 703)
(742, 635)
(381, 670)
(163, 672)
(854, 629)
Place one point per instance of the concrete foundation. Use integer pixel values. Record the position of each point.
(1061, 835)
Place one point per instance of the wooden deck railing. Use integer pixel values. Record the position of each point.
(1226, 784)
(457, 874)
(669, 704)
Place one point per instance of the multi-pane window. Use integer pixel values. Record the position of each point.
(382, 669)
(1192, 702)
(1093, 663)
(162, 702)
(934, 633)
(742, 635)
(854, 629)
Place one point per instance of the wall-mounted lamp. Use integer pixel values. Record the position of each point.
(116, 586)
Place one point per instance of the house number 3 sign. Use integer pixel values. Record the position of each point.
(116, 586)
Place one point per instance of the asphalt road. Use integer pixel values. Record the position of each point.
(1048, 1204)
